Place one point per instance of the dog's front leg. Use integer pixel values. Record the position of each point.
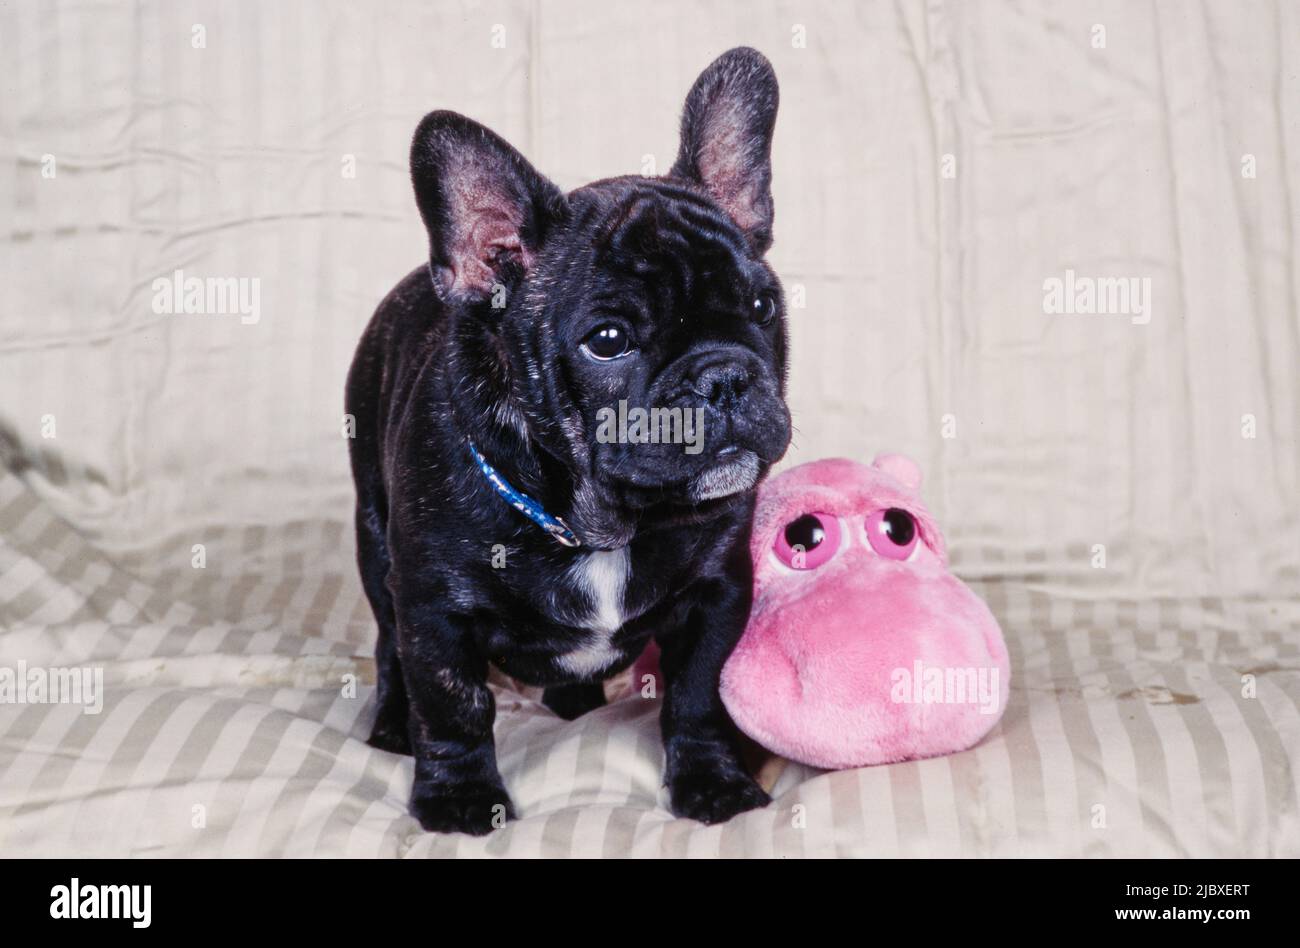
(705, 777)
(458, 787)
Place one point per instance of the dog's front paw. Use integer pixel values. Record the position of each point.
(714, 796)
(474, 808)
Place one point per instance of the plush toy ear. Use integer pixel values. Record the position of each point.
(485, 207)
(901, 468)
(727, 139)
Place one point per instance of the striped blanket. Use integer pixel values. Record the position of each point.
(1126, 734)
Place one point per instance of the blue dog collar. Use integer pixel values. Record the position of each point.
(523, 503)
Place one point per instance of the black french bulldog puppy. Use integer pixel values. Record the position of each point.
(494, 522)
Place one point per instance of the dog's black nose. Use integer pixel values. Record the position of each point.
(721, 383)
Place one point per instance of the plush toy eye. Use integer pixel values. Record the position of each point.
(764, 308)
(607, 342)
(892, 533)
(808, 541)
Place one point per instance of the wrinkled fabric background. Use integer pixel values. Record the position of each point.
(1044, 438)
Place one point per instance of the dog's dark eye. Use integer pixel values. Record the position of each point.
(607, 342)
(764, 308)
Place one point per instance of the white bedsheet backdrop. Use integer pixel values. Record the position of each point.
(923, 293)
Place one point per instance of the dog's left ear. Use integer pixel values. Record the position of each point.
(727, 139)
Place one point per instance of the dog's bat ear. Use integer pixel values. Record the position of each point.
(727, 139)
(487, 210)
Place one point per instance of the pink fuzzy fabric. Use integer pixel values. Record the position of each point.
(862, 659)
(827, 671)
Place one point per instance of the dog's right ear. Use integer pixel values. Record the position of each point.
(486, 209)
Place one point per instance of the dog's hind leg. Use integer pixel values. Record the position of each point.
(573, 701)
(393, 708)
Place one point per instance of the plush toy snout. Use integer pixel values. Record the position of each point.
(880, 664)
(861, 648)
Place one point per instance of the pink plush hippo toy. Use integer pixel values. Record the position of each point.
(862, 648)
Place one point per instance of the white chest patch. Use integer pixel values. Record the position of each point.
(602, 575)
